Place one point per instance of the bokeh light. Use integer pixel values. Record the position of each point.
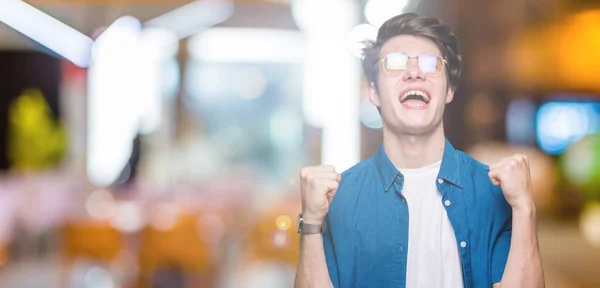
(581, 164)
(579, 33)
(589, 224)
(562, 123)
(100, 205)
(283, 222)
(113, 101)
(378, 11)
(312, 15)
(128, 218)
(98, 277)
(280, 239)
(545, 54)
(164, 216)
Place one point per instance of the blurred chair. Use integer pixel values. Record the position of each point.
(91, 240)
(272, 249)
(171, 253)
(271, 244)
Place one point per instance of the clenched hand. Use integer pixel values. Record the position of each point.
(318, 187)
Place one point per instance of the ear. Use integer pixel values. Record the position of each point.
(374, 95)
(449, 95)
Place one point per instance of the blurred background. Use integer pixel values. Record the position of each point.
(154, 143)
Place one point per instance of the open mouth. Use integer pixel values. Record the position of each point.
(415, 99)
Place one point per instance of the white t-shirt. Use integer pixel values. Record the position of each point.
(433, 256)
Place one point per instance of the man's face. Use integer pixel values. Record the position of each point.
(412, 101)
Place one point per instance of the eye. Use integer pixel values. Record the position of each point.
(430, 63)
(396, 61)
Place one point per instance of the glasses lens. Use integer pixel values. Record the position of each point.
(430, 63)
(395, 62)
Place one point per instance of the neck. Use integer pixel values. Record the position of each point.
(409, 151)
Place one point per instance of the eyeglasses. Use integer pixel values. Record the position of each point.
(395, 64)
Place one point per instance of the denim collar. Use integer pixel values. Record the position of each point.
(449, 170)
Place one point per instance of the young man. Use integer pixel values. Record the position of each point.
(418, 213)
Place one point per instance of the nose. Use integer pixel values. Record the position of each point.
(413, 72)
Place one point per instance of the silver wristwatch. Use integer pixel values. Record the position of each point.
(305, 228)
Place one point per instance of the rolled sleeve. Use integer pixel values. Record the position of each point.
(330, 256)
(500, 252)
(501, 243)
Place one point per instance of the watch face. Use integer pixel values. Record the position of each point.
(299, 222)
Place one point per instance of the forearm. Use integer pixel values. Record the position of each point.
(312, 268)
(524, 264)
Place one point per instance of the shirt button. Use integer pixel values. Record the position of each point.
(401, 248)
(447, 203)
(463, 244)
(440, 180)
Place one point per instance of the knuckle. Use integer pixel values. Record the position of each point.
(329, 167)
(336, 185)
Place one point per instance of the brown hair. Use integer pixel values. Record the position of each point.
(416, 25)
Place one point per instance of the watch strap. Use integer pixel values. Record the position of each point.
(306, 228)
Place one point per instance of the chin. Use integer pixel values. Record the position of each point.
(417, 123)
(413, 123)
(415, 126)
(411, 128)
(417, 130)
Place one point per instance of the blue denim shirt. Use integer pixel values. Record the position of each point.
(366, 229)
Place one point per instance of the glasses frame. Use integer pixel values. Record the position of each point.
(444, 62)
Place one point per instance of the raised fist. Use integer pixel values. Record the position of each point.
(318, 186)
(513, 176)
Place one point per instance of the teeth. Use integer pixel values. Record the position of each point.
(415, 92)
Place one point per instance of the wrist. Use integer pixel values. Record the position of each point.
(524, 210)
(525, 204)
(309, 218)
